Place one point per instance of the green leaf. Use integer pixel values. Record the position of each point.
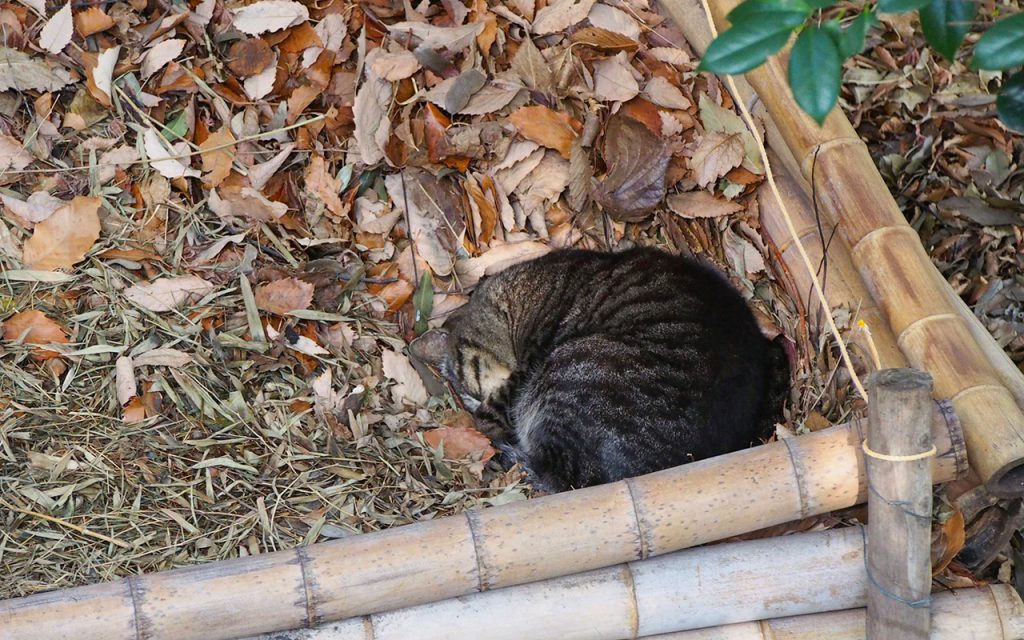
(821, 4)
(423, 302)
(815, 72)
(945, 23)
(743, 47)
(786, 12)
(850, 41)
(1002, 46)
(1010, 103)
(759, 29)
(900, 6)
(176, 128)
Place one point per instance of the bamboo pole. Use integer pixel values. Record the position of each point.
(993, 612)
(543, 538)
(708, 586)
(899, 505)
(842, 283)
(921, 307)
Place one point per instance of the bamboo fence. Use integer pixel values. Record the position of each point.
(922, 310)
(512, 544)
(899, 505)
(993, 612)
(711, 586)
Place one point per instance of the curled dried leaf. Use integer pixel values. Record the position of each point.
(637, 161)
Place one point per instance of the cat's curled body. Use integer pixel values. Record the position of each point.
(590, 367)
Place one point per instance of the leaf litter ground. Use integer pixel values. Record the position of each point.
(222, 224)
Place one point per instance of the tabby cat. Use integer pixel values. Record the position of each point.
(590, 367)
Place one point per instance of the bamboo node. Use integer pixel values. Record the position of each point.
(890, 458)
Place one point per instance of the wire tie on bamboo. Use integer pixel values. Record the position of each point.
(916, 604)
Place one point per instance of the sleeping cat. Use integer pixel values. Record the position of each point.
(590, 367)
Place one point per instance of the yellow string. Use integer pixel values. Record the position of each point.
(769, 175)
(889, 458)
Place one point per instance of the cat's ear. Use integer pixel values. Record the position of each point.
(434, 347)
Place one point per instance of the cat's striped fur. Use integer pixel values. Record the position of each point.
(590, 367)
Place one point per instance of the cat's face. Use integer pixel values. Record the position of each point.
(473, 370)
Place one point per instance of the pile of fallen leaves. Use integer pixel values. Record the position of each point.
(223, 222)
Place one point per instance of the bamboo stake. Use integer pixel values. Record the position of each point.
(898, 446)
(919, 304)
(993, 612)
(543, 538)
(719, 584)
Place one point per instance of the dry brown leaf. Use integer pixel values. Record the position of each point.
(163, 357)
(530, 65)
(56, 33)
(246, 203)
(324, 186)
(161, 54)
(302, 96)
(13, 156)
(665, 94)
(485, 38)
(217, 157)
(613, 79)
(34, 327)
(546, 127)
(606, 17)
(670, 55)
(482, 196)
(460, 443)
(284, 296)
(396, 66)
(38, 207)
(435, 215)
(408, 384)
(259, 85)
(431, 37)
(604, 39)
(637, 161)
(701, 204)
(102, 75)
(249, 56)
(560, 15)
(20, 72)
(65, 236)
(167, 294)
(372, 127)
(124, 380)
(497, 259)
(269, 15)
(715, 156)
(92, 20)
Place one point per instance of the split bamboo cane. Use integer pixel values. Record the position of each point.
(921, 307)
(709, 586)
(898, 446)
(993, 612)
(521, 542)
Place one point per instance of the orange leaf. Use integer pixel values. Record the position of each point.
(33, 327)
(283, 296)
(217, 158)
(460, 442)
(486, 37)
(436, 124)
(64, 238)
(484, 205)
(547, 128)
(947, 542)
(134, 411)
(301, 97)
(324, 186)
(92, 20)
